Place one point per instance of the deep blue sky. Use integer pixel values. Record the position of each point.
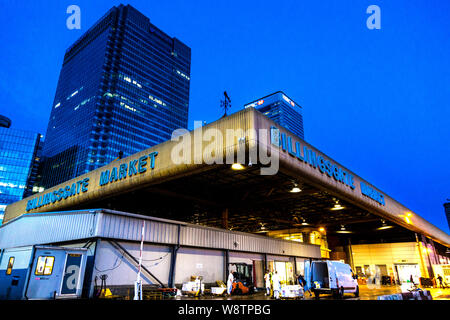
(377, 101)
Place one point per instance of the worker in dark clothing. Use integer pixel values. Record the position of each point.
(441, 283)
(301, 280)
(412, 280)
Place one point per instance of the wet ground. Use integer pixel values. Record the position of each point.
(366, 293)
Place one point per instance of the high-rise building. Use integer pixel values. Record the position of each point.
(18, 150)
(281, 109)
(447, 211)
(34, 183)
(123, 87)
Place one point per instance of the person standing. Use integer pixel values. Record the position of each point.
(276, 285)
(230, 282)
(411, 279)
(301, 280)
(267, 282)
(440, 281)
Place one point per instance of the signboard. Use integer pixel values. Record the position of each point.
(304, 154)
(124, 170)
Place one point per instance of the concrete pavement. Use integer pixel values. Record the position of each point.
(366, 293)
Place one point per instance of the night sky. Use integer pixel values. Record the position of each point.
(376, 101)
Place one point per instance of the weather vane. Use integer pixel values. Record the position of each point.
(225, 103)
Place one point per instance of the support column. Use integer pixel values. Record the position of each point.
(419, 247)
(265, 262)
(430, 266)
(173, 260)
(350, 255)
(295, 269)
(173, 265)
(227, 261)
(225, 218)
(306, 237)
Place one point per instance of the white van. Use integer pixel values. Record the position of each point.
(331, 277)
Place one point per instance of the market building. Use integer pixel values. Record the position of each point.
(243, 175)
(173, 250)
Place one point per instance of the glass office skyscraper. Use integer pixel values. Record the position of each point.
(17, 158)
(123, 87)
(283, 110)
(447, 212)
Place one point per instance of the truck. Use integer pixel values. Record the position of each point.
(330, 277)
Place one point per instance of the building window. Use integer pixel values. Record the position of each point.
(10, 265)
(44, 266)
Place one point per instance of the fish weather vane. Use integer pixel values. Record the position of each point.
(225, 103)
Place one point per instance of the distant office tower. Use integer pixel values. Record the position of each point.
(18, 150)
(34, 183)
(123, 87)
(447, 212)
(281, 109)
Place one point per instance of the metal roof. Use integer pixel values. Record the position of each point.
(63, 226)
(176, 190)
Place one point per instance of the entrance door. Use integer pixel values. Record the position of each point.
(71, 278)
(382, 269)
(405, 271)
(280, 268)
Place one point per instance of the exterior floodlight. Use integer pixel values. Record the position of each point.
(237, 166)
(343, 230)
(295, 188)
(321, 229)
(337, 206)
(384, 226)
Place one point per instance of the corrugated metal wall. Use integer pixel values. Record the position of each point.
(48, 228)
(67, 226)
(197, 236)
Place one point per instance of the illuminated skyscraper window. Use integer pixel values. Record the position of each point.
(17, 158)
(283, 110)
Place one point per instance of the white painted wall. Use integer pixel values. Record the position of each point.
(121, 272)
(387, 254)
(199, 262)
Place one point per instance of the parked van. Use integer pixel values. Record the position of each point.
(331, 277)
